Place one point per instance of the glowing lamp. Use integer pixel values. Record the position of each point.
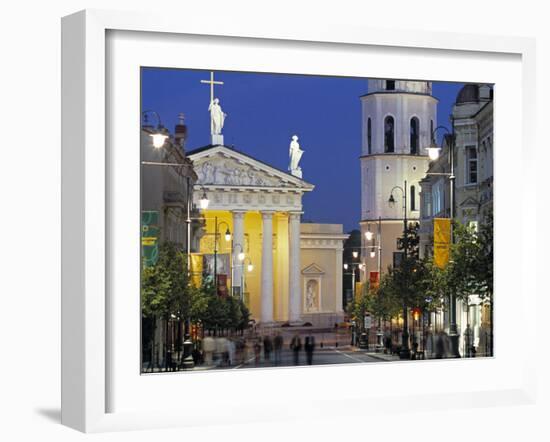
(433, 152)
(204, 201)
(158, 140)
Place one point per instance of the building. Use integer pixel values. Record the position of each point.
(284, 270)
(167, 180)
(398, 118)
(472, 125)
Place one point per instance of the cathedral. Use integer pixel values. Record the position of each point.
(398, 119)
(254, 244)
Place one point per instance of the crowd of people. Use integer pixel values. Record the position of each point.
(255, 350)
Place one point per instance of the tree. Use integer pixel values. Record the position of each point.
(165, 291)
(470, 267)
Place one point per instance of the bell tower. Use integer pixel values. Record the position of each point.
(398, 118)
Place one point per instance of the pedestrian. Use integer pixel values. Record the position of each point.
(309, 347)
(440, 352)
(296, 346)
(468, 341)
(268, 347)
(257, 350)
(208, 346)
(277, 347)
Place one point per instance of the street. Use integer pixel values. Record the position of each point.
(321, 356)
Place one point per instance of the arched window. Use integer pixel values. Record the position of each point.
(413, 198)
(389, 134)
(414, 135)
(369, 136)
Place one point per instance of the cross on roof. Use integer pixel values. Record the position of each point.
(211, 82)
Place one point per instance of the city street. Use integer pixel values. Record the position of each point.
(321, 356)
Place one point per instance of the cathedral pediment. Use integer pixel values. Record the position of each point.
(221, 166)
(313, 269)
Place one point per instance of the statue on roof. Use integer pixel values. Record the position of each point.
(217, 117)
(295, 154)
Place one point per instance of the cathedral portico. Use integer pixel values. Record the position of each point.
(262, 207)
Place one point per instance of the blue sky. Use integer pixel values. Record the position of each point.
(265, 110)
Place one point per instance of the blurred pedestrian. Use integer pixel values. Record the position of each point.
(296, 346)
(440, 346)
(268, 347)
(277, 347)
(208, 346)
(309, 347)
(257, 350)
(468, 341)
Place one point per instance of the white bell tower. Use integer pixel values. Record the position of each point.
(398, 118)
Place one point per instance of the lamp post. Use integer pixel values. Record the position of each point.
(240, 257)
(433, 152)
(249, 268)
(188, 361)
(227, 238)
(405, 349)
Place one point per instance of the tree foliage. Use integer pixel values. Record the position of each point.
(470, 267)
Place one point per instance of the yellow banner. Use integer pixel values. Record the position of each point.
(358, 289)
(196, 269)
(442, 241)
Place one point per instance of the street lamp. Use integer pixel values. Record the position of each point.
(433, 152)
(355, 254)
(227, 238)
(159, 137)
(249, 268)
(368, 234)
(204, 201)
(405, 350)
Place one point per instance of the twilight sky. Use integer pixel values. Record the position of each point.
(265, 110)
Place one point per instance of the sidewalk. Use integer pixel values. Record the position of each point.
(377, 354)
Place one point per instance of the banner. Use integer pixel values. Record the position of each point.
(196, 269)
(374, 279)
(149, 237)
(442, 241)
(358, 289)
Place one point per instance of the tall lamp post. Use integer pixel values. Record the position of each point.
(405, 349)
(240, 257)
(227, 238)
(433, 152)
(376, 249)
(249, 268)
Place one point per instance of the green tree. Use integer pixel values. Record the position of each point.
(165, 291)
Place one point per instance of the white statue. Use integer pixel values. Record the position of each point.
(295, 154)
(217, 117)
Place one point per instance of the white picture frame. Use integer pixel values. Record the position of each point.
(87, 314)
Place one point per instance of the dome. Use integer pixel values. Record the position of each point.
(468, 94)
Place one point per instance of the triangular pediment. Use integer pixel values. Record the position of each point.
(313, 269)
(221, 166)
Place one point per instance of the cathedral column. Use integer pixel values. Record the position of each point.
(238, 247)
(295, 293)
(267, 267)
(339, 275)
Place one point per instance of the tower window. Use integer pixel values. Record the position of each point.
(471, 165)
(389, 135)
(414, 136)
(413, 198)
(432, 131)
(390, 85)
(369, 136)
